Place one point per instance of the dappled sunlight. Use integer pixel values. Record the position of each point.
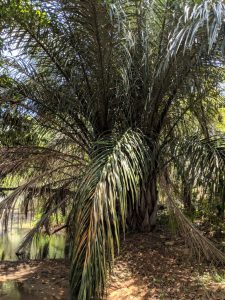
(214, 282)
(40, 279)
(160, 268)
(16, 272)
(154, 267)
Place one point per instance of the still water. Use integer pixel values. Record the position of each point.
(11, 290)
(43, 247)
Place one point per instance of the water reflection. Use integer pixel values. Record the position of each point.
(10, 290)
(42, 247)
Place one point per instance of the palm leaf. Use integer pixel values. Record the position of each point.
(118, 168)
(201, 246)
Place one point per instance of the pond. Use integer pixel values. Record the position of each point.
(11, 290)
(43, 247)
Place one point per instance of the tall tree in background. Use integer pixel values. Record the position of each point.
(121, 93)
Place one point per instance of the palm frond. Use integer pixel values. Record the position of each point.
(27, 240)
(202, 161)
(200, 246)
(118, 168)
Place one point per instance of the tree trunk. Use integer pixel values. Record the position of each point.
(142, 216)
(187, 197)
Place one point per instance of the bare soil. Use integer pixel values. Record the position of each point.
(150, 266)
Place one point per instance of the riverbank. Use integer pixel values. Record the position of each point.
(150, 266)
(46, 279)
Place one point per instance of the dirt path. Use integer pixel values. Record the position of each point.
(148, 267)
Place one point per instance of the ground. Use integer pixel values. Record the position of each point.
(150, 266)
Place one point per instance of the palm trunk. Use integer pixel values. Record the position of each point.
(187, 197)
(142, 217)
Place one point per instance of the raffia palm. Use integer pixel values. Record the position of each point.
(116, 93)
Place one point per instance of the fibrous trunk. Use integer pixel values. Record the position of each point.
(187, 197)
(142, 215)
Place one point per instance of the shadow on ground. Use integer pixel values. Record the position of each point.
(149, 267)
(153, 266)
(34, 280)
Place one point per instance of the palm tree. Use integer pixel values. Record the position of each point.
(120, 93)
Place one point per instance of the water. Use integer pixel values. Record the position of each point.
(43, 247)
(11, 290)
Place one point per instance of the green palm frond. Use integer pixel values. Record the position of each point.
(200, 245)
(117, 171)
(202, 161)
(44, 219)
(197, 21)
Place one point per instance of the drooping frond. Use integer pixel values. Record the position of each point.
(200, 246)
(115, 175)
(40, 178)
(202, 161)
(203, 21)
(27, 240)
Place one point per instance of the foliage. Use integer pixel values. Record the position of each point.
(105, 99)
